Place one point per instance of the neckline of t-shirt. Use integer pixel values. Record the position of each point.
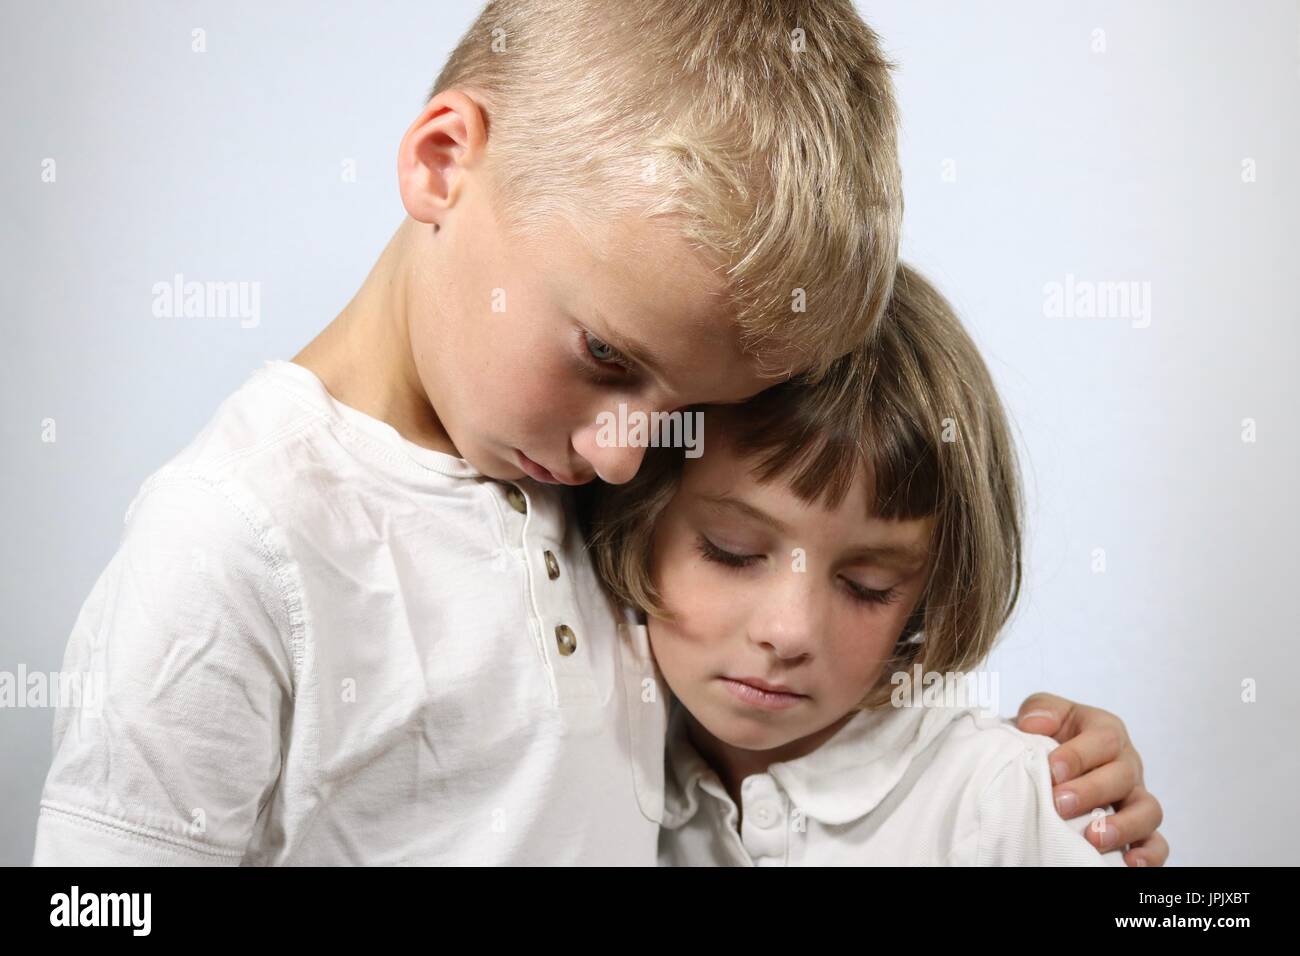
(426, 458)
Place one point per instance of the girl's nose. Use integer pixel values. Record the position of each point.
(789, 617)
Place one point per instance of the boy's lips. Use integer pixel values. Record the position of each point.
(540, 473)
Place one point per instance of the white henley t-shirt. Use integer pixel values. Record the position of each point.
(324, 644)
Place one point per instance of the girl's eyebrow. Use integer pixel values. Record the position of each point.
(725, 501)
(897, 556)
(890, 555)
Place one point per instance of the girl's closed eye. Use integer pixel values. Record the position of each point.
(711, 552)
(859, 593)
(866, 595)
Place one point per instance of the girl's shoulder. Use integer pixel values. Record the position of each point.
(977, 747)
(1001, 774)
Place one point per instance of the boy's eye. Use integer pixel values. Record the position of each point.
(603, 352)
(711, 552)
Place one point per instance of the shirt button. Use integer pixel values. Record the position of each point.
(764, 815)
(566, 639)
(552, 566)
(517, 499)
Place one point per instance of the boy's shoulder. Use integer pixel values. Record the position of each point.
(271, 407)
(224, 487)
(276, 444)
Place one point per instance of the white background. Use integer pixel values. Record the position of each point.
(1122, 165)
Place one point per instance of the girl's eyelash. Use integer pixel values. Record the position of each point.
(711, 552)
(871, 596)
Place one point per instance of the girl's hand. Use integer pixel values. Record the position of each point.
(1096, 765)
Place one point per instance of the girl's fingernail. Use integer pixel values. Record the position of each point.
(1140, 861)
(1037, 713)
(1066, 802)
(1059, 771)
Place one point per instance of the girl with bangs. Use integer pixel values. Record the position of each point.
(837, 540)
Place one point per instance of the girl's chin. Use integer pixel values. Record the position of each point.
(750, 733)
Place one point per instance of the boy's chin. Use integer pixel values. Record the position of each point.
(493, 465)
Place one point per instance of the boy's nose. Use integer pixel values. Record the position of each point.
(614, 463)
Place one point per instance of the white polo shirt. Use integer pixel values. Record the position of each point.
(323, 644)
(919, 786)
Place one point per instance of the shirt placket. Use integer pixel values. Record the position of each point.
(764, 821)
(557, 624)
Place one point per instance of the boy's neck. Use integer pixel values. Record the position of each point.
(363, 356)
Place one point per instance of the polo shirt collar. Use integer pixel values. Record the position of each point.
(841, 781)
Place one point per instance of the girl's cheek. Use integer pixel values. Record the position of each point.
(862, 655)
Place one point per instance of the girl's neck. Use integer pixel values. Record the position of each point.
(733, 764)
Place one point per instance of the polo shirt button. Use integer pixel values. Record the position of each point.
(517, 499)
(566, 639)
(764, 815)
(552, 566)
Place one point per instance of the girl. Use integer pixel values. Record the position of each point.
(837, 540)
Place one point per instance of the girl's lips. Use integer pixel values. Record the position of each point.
(764, 699)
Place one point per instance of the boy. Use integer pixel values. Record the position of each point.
(353, 622)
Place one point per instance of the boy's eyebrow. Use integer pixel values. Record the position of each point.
(645, 355)
(893, 555)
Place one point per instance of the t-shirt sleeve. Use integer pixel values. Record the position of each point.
(185, 678)
(1019, 823)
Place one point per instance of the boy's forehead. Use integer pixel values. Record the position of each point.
(697, 362)
(665, 304)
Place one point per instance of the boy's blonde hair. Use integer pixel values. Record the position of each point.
(766, 128)
(916, 408)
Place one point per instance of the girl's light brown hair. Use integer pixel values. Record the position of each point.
(765, 130)
(916, 408)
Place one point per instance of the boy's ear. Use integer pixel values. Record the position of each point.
(445, 141)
